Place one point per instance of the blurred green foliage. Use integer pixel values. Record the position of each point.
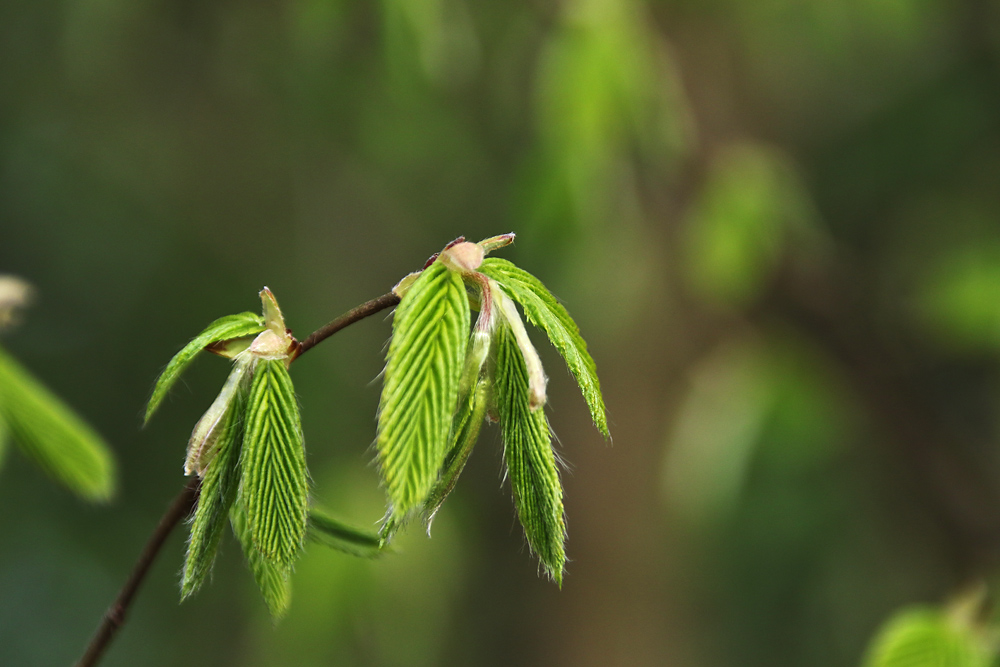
(776, 224)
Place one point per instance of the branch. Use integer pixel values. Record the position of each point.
(186, 500)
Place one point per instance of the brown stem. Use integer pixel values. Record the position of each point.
(186, 500)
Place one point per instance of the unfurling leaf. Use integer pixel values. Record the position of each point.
(420, 394)
(543, 310)
(222, 329)
(272, 580)
(49, 432)
(206, 433)
(335, 534)
(218, 491)
(274, 487)
(531, 462)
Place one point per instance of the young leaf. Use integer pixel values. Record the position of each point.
(531, 463)
(218, 491)
(544, 311)
(917, 637)
(50, 433)
(272, 580)
(206, 433)
(274, 487)
(335, 534)
(464, 433)
(224, 328)
(420, 394)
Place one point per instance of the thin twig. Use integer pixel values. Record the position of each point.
(185, 502)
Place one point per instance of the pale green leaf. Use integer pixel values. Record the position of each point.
(544, 311)
(222, 329)
(465, 429)
(923, 637)
(218, 491)
(202, 444)
(51, 434)
(274, 487)
(420, 392)
(271, 579)
(531, 462)
(335, 534)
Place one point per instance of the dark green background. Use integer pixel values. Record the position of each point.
(777, 224)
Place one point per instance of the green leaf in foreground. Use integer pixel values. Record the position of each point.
(274, 489)
(272, 580)
(924, 637)
(420, 392)
(222, 329)
(531, 462)
(218, 491)
(51, 434)
(543, 310)
(326, 530)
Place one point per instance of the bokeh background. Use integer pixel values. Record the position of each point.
(777, 223)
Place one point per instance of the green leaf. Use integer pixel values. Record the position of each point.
(464, 433)
(218, 491)
(335, 534)
(205, 435)
(274, 488)
(222, 329)
(272, 580)
(544, 311)
(51, 434)
(4, 441)
(420, 393)
(923, 637)
(531, 462)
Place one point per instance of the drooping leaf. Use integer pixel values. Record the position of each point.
(51, 434)
(224, 328)
(206, 433)
(218, 491)
(464, 433)
(335, 534)
(420, 393)
(923, 637)
(274, 487)
(531, 462)
(272, 579)
(544, 311)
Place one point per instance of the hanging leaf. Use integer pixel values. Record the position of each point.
(420, 393)
(335, 534)
(51, 434)
(923, 637)
(272, 580)
(222, 329)
(218, 491)
(531, 462)
(274, 488)
(544, 311)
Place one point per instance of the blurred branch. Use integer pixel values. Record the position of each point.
(187, 499)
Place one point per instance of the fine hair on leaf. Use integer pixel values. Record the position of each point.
(274, 486)
(420, 391)
(222, 329)
(52, 435)
(543, 310)
(530, 459)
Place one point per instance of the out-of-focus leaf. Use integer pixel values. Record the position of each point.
(4, 441)
(751, 205)
(272, 579)
(464, 433)
(922, 637)
(438, 35)
(960, 297)
(274, 487)
(420, 393)
(224, 328)
(544, 311)
(218, 491)
(531, 462)
(338, 535)
(51, 434)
